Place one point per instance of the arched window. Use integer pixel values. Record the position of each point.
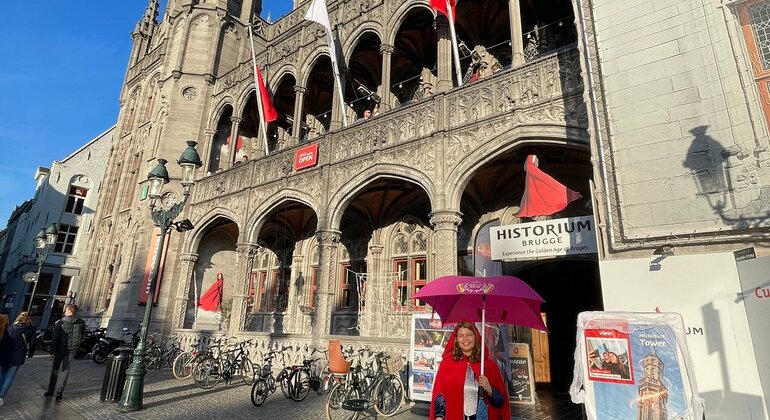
(130, 113)
(313, 284)
(353, 275)
(409, 262)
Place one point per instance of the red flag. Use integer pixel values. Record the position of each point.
(267, 105)
(543, 195)
(440, 5)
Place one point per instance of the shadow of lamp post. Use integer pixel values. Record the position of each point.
(43, 243)
(131, 400)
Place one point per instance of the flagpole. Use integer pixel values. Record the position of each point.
(258, 94)
(455, 50)
(336, 71)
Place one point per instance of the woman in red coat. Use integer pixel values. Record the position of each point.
(455, 394)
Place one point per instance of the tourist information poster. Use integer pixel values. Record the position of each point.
(634, 366)
(427, 345)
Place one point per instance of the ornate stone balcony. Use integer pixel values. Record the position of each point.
(544, 94)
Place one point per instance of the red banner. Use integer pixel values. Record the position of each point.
(306, 157)
(145, 290)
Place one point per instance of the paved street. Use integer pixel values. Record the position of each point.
(168, 398)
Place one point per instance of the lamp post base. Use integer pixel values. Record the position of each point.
(132, 398)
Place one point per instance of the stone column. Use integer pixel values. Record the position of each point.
(517, 38)
(445, 224)
(328, 240)
(243, 266)
(386, 97)
(233, 140)
(299, 102)
(444, 49)
(374, 307)
(186, 274)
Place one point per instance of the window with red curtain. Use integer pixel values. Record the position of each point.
(755, 24)
(313, 286)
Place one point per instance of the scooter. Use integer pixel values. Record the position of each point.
(106, 345)
(90, 339)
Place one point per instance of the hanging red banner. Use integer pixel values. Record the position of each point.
(145, 290)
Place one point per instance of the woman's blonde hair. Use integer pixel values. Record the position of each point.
(23, 318)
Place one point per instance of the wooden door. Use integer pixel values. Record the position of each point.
(541, 355)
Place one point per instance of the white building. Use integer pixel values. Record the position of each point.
(66, 195)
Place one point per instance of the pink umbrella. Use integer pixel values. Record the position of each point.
(501, 299)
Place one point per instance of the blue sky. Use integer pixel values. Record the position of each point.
(62, 65)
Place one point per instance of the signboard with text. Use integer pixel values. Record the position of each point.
(548, 238)
(522, 390)
(306, 157)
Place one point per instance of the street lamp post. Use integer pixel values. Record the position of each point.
(43, 242)
(132, 397)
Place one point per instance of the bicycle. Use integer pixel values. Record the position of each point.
(183, 364)
(383, 390)
(304, 378)
(201, 374)
(155, 355)
(265, 385)
(231, 362)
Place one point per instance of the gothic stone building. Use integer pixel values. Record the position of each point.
(409, 194)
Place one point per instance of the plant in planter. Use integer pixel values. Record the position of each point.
(225, 309)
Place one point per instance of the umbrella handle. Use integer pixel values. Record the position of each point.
(483, 328)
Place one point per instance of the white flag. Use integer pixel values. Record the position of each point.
(317, 13)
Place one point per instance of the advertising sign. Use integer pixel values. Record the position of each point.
(522, 389)
(306, 157)
(427, 345)
(635, 366)
(154, 253)
(706, 291)
(548, 238)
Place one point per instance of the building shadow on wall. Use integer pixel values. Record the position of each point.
(728, 179)
(728, 399)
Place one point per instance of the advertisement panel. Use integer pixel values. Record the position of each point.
(145, 290)
(634, 366)
(548, 238)
(702, 288)
(754, 274)
(427, 344)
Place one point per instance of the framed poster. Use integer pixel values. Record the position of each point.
(428, 339)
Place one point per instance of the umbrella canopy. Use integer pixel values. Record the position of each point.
(507, 300)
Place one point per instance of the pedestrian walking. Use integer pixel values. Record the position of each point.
(67, 335)
(13, 350)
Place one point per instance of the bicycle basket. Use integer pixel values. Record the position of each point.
(266, 371)
(392, 365)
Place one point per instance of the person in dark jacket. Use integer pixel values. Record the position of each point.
(67, 334)
(13, 350)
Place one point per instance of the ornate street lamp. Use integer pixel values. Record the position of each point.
(43, 242)
(132, 397)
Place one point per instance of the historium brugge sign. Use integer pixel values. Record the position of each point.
(557, 237)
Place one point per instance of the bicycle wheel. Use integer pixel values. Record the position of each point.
(248, 372)
(207, 373)
(333, 407)
(152, 359)
(388, 395)
(300, 384)
(171, 355)
(283, 380)
(259, 392)
(182, 366)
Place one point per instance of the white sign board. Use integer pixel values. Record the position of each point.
(703, 289)
(548, 238)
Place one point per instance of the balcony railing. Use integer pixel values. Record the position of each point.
(548, 90)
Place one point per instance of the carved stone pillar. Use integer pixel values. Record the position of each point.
(328, 240)
(386, 97)
(445, 224)
(444, 54)
(186, 274)
(374, 307)
(517, 37)
(233, 140)
(243, 266)
(299, 101)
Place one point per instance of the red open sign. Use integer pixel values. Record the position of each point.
(306, 157)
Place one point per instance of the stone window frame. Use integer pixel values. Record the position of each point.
(760, 71)
(409, 247)
(65, 241)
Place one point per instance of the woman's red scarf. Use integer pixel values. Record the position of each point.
(450, 382)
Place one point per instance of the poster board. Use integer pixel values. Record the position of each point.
(522, 390)
(634, 365)
(427, 342)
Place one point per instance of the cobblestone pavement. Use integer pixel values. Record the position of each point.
(168, 398)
